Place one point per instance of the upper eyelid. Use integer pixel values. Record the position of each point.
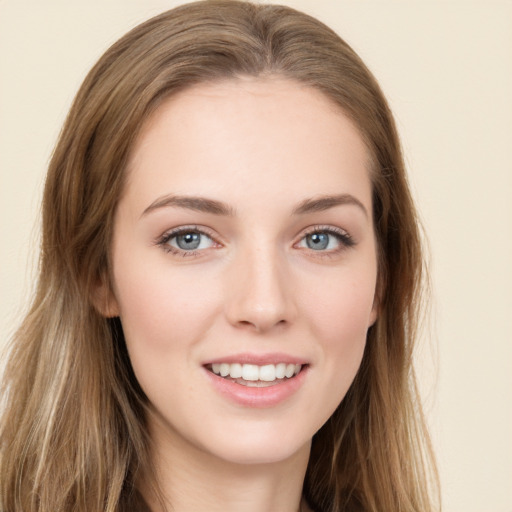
(173, 232)
(345, 239)
(167, 236)
(325, 229)
(187, 229)
(322, 227)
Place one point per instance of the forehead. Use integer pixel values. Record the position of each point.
(240, 132)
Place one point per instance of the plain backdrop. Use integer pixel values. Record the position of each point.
(446, 67)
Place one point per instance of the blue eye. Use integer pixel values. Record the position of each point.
(186, 241)
(326, 240)
(319, 241)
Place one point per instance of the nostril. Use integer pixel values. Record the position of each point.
(261, 325)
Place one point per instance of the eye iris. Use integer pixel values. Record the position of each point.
(188, 241)
(317, 241)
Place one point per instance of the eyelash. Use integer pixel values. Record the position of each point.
(164, 240)
(345, 239)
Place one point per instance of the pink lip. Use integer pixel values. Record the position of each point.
(258, 359)
(270, 396)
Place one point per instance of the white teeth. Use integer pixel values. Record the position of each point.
(235, 371)
(250, 372)
(268, 373)
(280, 370)
(290, 370)
(253, 373)
(224, 369)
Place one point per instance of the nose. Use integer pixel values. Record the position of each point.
(260, 292)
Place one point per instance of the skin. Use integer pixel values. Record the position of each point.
(262, 147)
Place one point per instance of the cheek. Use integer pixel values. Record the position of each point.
(341, 308)
(340, 317)
(164, 315)
(161, 310)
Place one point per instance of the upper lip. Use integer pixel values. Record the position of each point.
(257, 359)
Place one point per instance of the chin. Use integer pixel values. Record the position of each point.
(259, 444)
(257, 454)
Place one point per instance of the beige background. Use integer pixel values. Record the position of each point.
(446, 67)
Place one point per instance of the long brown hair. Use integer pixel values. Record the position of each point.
(73, 433)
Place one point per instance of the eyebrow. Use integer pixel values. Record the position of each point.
(203, 204)
(199, 204)
(326, 202)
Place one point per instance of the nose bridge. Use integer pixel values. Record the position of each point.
(260, 292)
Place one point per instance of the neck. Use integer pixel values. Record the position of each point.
(191, 479)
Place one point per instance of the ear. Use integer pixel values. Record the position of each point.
(374, 314)
(104, 300)
(375, 311)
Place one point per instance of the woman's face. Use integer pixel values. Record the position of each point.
(244, 266)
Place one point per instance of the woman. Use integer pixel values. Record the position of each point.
(229, 285)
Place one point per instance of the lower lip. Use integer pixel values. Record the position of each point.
(268, 396)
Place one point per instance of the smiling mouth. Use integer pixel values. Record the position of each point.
(252, 375)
